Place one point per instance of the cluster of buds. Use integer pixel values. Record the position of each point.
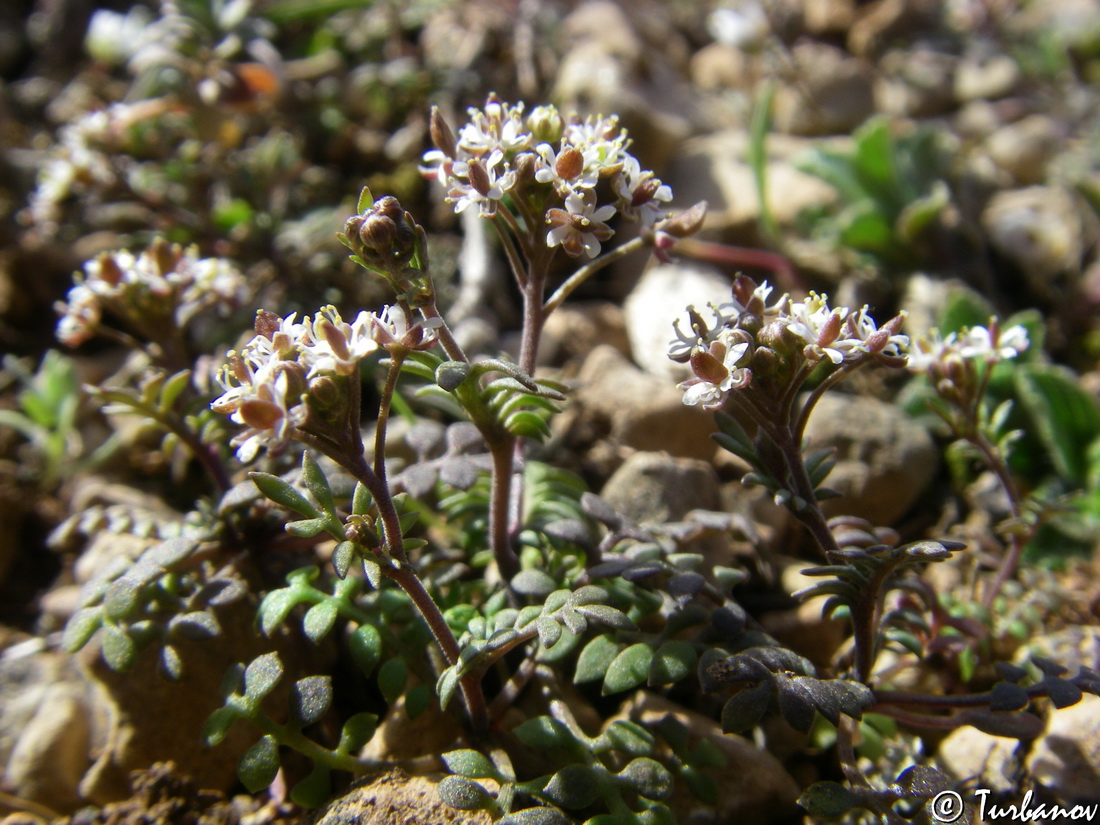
(957, 364)
(387, 240)
(165, 286)
(781, 342)
(578, 171)
(291, 377)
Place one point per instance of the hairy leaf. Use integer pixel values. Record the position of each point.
(259, 764)
(629, 669)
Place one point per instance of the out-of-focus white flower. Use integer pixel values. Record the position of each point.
(993, 344)
(114, 38)
(861, 335)
(640, 193)
(486, 182)
(580, 226)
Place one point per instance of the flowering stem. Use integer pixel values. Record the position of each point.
(586, 271)
(739, 256)
(1016, 542)
(443, 332)
(400, 571)
(396, 359)
(500, 499)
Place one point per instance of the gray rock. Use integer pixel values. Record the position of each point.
(985, 78)
(832, 96)
(393, 797)
(621, 406)
(662, 297)
(657, 488)
(884, 459)
(575, 329)
(48, 722)
(916, 82)
(1038, 229)
(993, 760)
(1025, 148)
(754, 787)
(715, 168)
(1067, 757)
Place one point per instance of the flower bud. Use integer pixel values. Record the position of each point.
(569, 164)
(687, 222)
(707, 365)
(479, 177)
(384, 236)
(442, 136)
(545, 124)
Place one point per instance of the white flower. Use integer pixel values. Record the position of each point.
(929, 349)
(863, 336)
(486, 182)
(993, 344)
(640, 193)
(817, 325)
(333, 346)
(716, 372)
(580, 226)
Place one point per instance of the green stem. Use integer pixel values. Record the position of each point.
(586, 271)
(443, 332)
(396, 359)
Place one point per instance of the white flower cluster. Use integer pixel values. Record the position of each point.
(500, 149)
(720, 354)
(989, 344)
(75, 163)
(173, 282)
(266, 383)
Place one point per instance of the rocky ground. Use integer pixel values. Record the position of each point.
(897, 153)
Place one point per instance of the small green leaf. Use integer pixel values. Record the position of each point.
(261, 676)
(357, 731)
(629, 669)
(171, 662)
(543, 732)
(463, 794)
(315, 789)
(607, 615)
(648, 777)
(307, 528)
(310, 699)
(342, 557)
(596, 657)
(629, 737)
(119, 650)
(275, 607)
(80, 628)
(319, 620)
(744, 710)
(446, 685)
(828, 800)
(673, 661)
(536, 583)
(217, 725)
(365, 646)
(259, 764)
(392, 677)
(537, 816)
(281, 492)
(122, 599)
(317, 484)
(470, 763)
(366, 199)
(361, 500)
(549, 631)
(574, 787)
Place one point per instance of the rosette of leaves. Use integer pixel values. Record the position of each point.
(614, 778)
(558, 625)
(310, 698)
(166, 596)
(771, 679)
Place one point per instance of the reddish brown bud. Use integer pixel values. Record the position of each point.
(706, 366)
(686, 223)
(479, 177)
(570, 163)
(441, 134)
(266, 324)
